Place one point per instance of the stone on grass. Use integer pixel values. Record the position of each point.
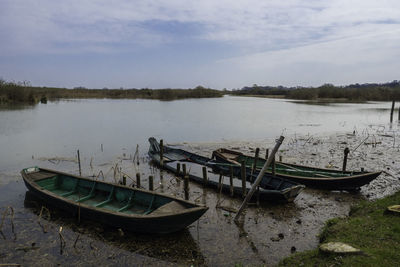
(338, 248)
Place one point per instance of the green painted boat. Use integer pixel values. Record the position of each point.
(309, 176)
(120, 206)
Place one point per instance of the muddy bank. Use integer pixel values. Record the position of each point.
(270, 231)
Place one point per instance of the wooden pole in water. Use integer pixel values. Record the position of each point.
(138, 179)
(79, 163)
(280, 158)
(243, 177)
(391, 112)
(399, 115)
(220, 181)
(124, 180)
(231, 180)
(186, 186)
(255, 160)
(259, 178)
(151, 183)
(184, 170)
(266, 153)
(346, 152)
(205, 176)
(178, 168)
(162, 152)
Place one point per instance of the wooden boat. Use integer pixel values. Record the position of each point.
(116, 205)
(274, 190)
(309, 176)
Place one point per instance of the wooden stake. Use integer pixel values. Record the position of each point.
(151, 183)
(138, 179)
(255, 160)
(266, 153)
(346, 152)
(243, 177)
(186, 186)
(205, 176)
(184, 170)
(124, 180)
(231, 180)
(178, 168)
(280, 158)
(79, 163)
(259, 178)
(391, 112)
(162, 152)
(220, 182)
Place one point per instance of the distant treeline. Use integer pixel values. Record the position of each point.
(11, 92)
(354, 92)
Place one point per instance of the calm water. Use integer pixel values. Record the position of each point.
(60, 128)
(40, 135)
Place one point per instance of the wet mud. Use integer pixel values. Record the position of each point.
(267, 233)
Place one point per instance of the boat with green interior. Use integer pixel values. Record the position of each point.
(120, 206)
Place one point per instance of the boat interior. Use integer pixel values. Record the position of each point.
(107, 196)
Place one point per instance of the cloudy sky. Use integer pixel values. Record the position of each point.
(185, 43)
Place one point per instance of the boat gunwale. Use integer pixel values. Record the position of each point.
(197, 207)
(364, 174)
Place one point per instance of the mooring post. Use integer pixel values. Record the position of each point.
(79, 163)
(243, 177)
(255, 160)
(101, 147)
(151, 183)
(162, 153)
(204, 175)
(123, 179)
(220, 181)
(184, 170)
(259, 178)
(138, 179)
(178, 168)
(231, 180)
(391, 112)
(186, 186)
(280, 158)
(346, 152)
(266, 153)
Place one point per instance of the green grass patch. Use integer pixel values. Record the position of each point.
(369, 228)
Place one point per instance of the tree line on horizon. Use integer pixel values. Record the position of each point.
(23, 92)
(354, 92)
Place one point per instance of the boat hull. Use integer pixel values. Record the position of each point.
(136, 223)
(330, 180)
(277, 190)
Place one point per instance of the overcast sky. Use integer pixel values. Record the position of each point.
(184, 43)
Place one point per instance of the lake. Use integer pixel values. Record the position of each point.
(107, 132)
(60, 128)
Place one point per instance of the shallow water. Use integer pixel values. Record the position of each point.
(107, 131)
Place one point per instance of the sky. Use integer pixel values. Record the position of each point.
(186, 43)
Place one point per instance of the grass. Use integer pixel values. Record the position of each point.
(369, 228)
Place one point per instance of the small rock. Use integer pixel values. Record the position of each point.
(298, 221)
(338, 248)
(293, 249)
(281, 236)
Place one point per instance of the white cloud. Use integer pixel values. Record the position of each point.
(34, 24)
(287, 42)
